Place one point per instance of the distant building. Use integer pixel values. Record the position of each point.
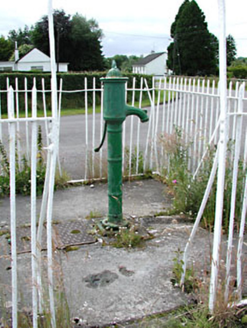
(33, 60)
(153, 64)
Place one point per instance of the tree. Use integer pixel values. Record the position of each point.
(6, 48)
(193, 51)
(231, 49)
(77, 40)
(62, 29)
(21, 36)
(23, 50)
(86, 53)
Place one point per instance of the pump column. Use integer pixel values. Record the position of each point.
(115, 173)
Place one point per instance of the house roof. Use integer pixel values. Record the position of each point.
(34, 55)
(148, 59)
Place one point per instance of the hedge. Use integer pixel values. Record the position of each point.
(239, 72)
(71, 81)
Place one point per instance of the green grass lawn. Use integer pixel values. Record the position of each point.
(81, 111)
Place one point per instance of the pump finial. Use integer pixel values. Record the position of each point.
(114, 71)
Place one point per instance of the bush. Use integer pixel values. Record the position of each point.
(239, 72)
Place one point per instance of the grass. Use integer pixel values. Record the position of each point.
(81, 111)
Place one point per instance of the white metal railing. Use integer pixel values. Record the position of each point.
(190, 104)
(12, 123)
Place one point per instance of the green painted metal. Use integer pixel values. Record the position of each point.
(115, 112)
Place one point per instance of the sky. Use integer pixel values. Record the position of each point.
(130, 27)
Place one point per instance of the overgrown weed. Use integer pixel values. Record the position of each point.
(23, 172)
(188, 191)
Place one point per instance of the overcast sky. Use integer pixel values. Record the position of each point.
(131, 27)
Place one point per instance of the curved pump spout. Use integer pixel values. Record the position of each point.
(142, 114)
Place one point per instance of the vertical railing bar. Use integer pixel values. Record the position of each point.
(199, 215)
(222, 145)
(196, 138)
(240, 243)
(26, 115)
(1, 136)
(164, 116)
(206, 151)
(131, 127)
(185, 100)
(217, 112)
(192, 126)
(212, 110)
(18, 123)
(101, 129)
(153, 124)
(164, 106)
(55, 142)
(235, 109)
(40, 229)
(206, 123)
(33, 206)
(168, 119)
(229, 109)
(177, 103)
(12, 160)
(93, 129)
(174, 93)
(138, 128)
(59, 122)
(156, 127)
(187, 114)
(149, 125)
(239, 121)
(86, 127)
(168, 122)
(245, 152)
(201, 115)
(45, 111)
(124, 130)
(181, 102)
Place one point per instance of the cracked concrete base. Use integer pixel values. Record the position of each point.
(146, 291)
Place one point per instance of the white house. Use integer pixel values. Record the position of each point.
(153, 64)
(33, 60)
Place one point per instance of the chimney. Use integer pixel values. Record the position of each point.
(16, 52)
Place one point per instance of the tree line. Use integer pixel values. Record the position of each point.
(194, 50)
(77, 41)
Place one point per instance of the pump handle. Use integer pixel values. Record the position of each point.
(103, 139)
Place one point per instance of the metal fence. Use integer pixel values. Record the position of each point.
(187, 106)
(175, 105)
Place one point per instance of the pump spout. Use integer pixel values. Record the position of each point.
(142, 114)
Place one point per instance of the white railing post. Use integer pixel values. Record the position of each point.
(26, 115)
(93, 128)
(54, 148)
(86, 128)
(131, 126)
(221, 161)
(17, 124)
(12, 166)
(33, 206)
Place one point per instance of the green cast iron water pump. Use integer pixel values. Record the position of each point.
(115, 112)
